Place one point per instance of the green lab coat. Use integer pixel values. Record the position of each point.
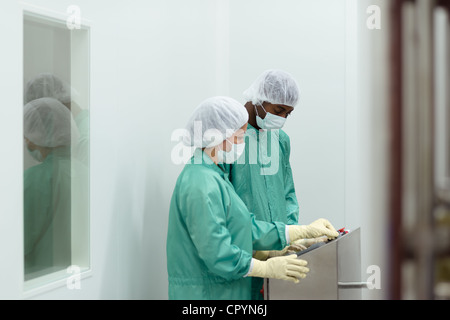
(211, 235)
(51, 194)
(267, 188)
(264, 181)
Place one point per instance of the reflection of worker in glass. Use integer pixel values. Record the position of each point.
(46, 85)
(211, 233)
(48, 131)
(269, 194)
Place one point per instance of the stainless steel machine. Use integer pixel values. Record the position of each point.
(335, 273)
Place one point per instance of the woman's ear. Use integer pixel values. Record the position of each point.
(30, 145)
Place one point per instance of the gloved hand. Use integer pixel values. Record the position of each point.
(320, 227)
(296, 247)
(292, 248)
(284, 268)
(306, 243)
(261, 255)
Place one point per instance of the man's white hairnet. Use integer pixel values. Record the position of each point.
(48, 123)
(47, 85)
(213, 121)
(275, 87)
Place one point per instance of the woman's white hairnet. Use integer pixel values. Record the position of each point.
(273, 86)
(213, 121)
(47, 85)
(48, 123)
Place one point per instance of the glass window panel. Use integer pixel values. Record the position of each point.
(56, 146)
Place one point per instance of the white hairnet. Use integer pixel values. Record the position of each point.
(213, 121)
(47, 85)
(48, 123)
(275, 87)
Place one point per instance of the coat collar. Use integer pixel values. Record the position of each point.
(201, 158)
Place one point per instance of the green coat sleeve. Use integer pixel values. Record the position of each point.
(292, 208)
(207, 225)
(268, 236)
(37, 208)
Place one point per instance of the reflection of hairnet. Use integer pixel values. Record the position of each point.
(215, 120)
(47, 85)
(48, 123)
(273, 86)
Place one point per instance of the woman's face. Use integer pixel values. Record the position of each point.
(236, 138)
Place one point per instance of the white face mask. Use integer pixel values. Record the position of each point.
(231, 156)
(270, 122)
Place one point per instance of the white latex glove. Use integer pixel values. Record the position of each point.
(292, 248)
(320, 227)
(297, 247)
(284, 268)
(306, 243)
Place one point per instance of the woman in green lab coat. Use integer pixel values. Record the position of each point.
(49, 186)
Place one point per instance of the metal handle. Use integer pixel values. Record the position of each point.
(353, 285)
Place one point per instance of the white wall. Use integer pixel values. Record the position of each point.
(11, 168)
(152, 62)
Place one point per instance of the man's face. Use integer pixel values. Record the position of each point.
(276, 109)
